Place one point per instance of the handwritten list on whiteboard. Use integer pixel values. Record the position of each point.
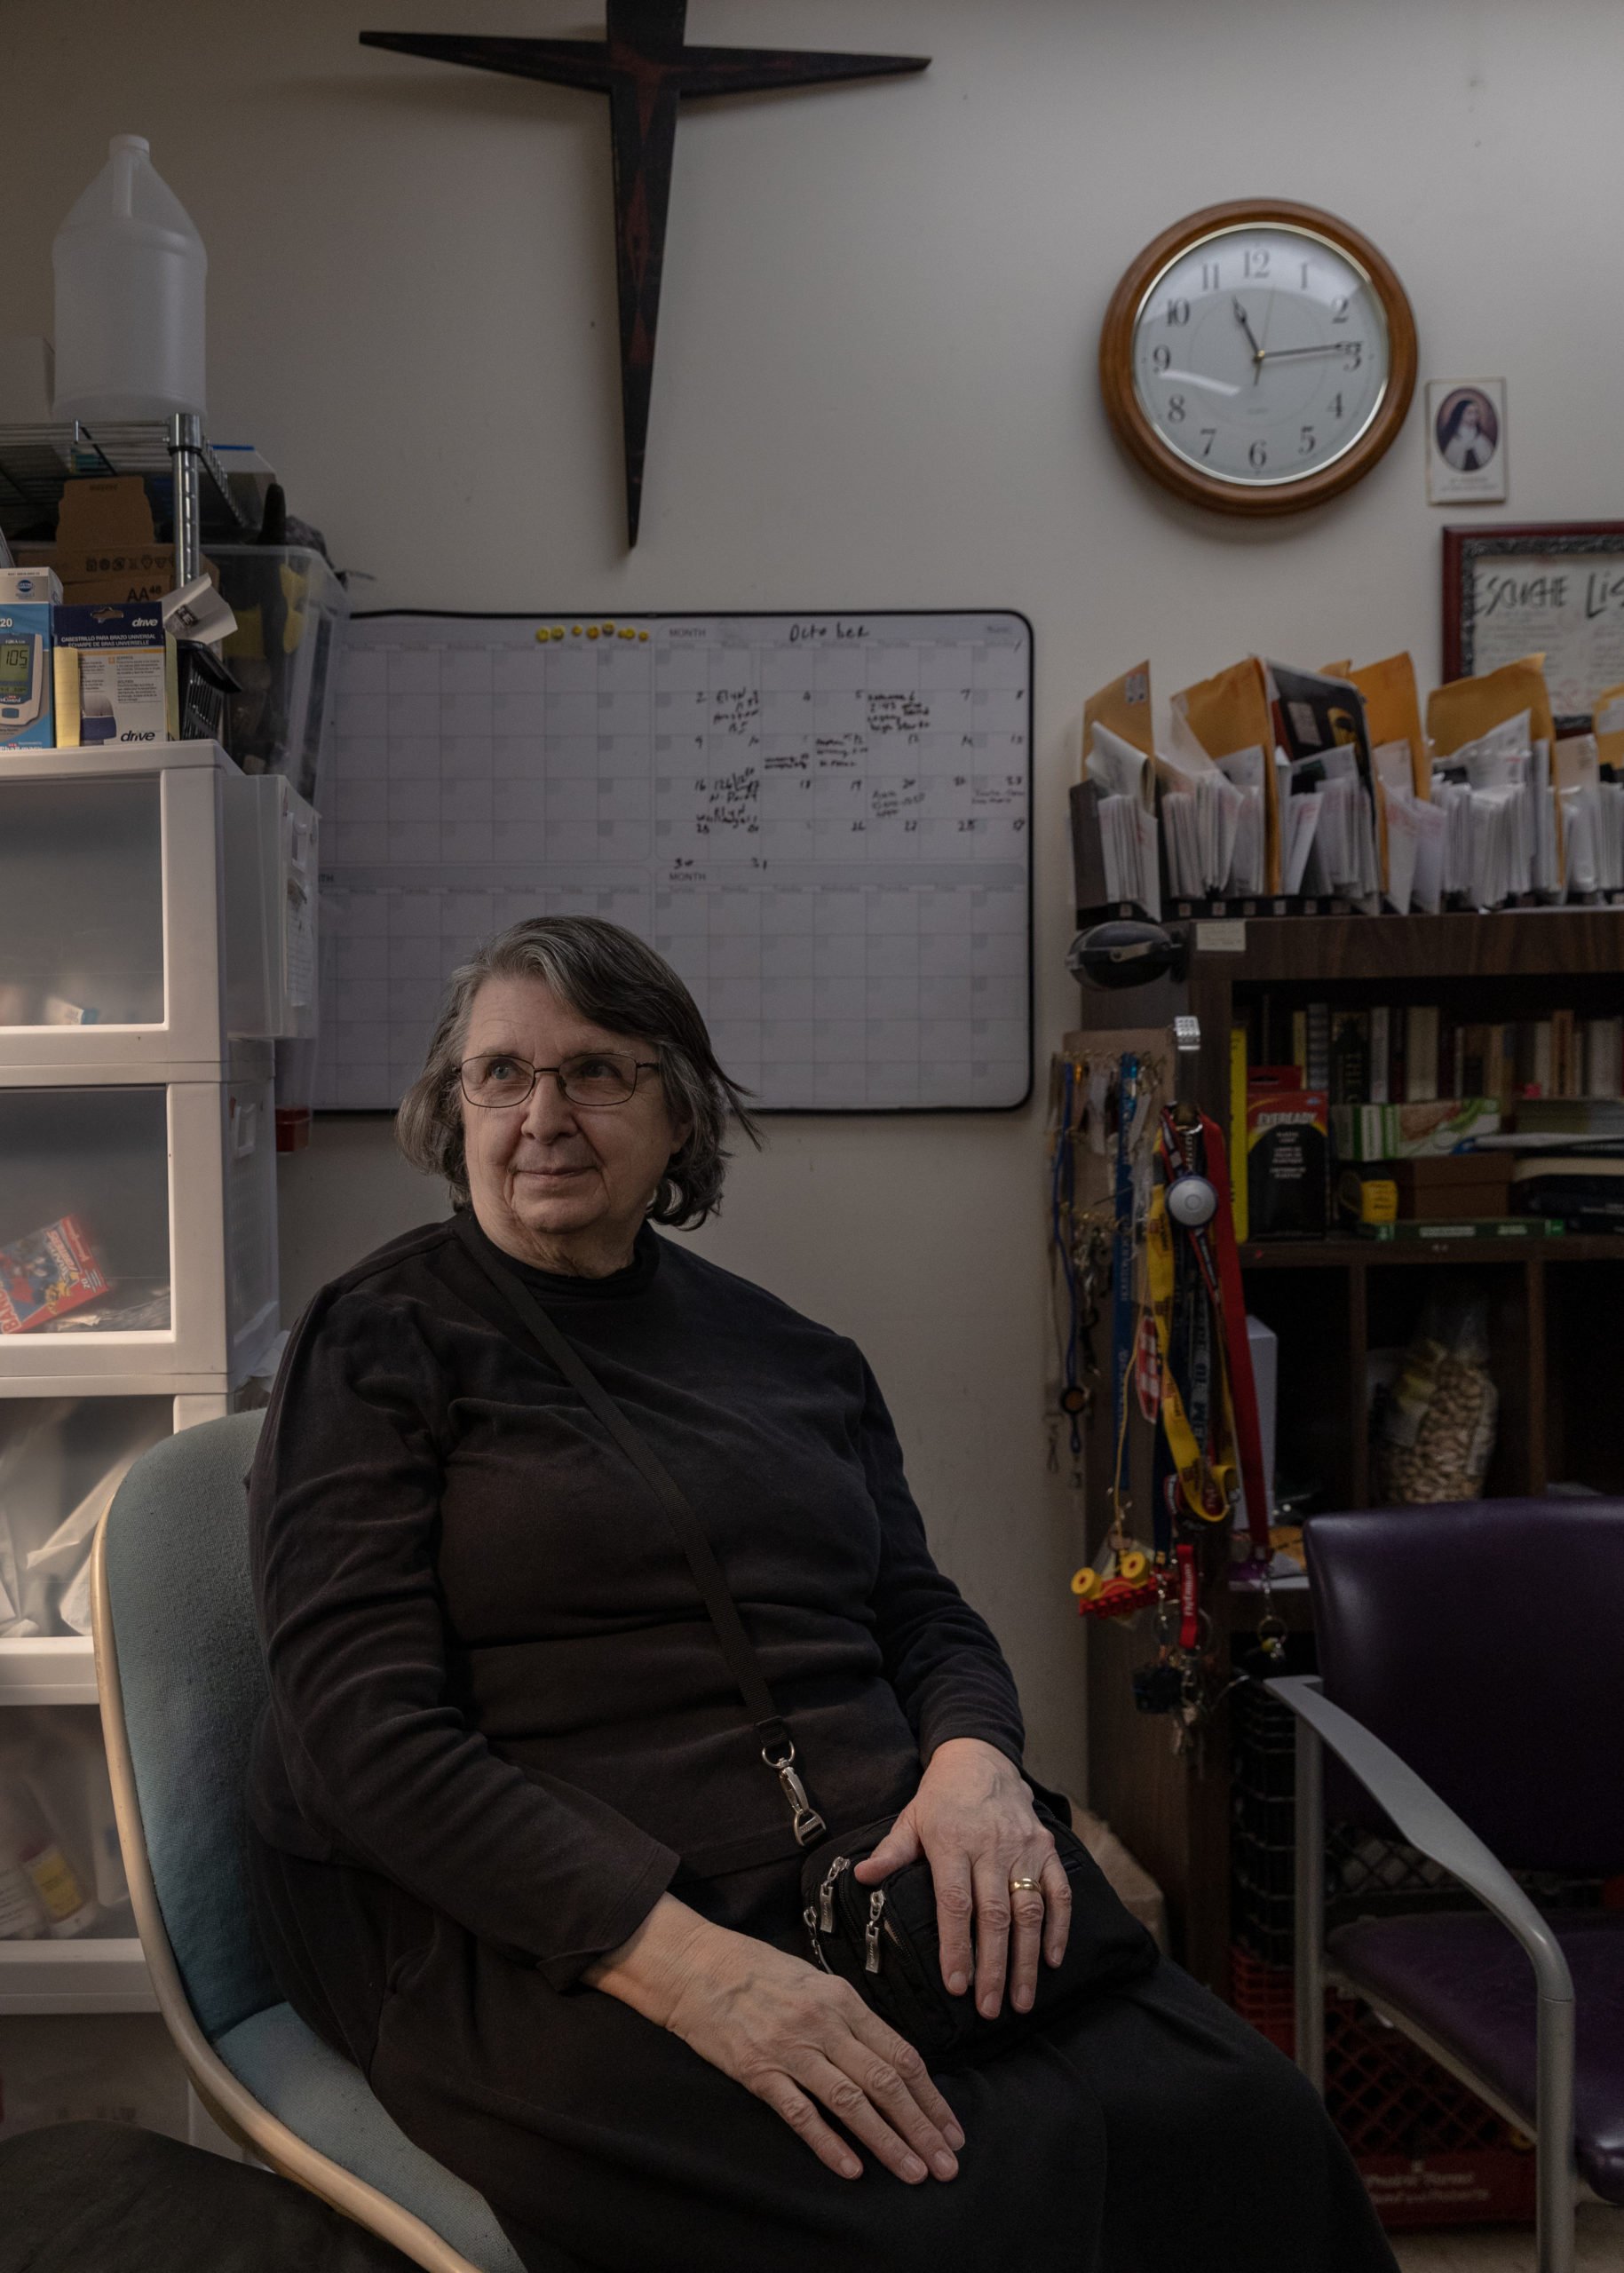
(822, 821)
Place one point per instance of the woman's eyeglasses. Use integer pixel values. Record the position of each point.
(595, 1077)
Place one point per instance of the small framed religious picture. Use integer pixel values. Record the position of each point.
(1466, 441)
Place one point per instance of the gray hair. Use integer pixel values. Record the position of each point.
(607, 974)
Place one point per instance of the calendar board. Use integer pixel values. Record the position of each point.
(822, 821)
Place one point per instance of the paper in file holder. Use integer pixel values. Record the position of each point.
(1091, 880)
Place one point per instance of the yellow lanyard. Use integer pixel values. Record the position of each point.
(1208, 1488)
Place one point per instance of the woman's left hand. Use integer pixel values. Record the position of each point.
(973, 1821)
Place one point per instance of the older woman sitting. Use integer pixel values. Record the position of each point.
(515, 1853)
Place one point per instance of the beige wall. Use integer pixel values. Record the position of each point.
(875, 389)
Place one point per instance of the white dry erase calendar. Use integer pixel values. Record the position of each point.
(823, 821)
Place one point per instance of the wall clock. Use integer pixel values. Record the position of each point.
(1258, 357)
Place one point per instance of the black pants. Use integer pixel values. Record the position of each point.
(1149, 2131)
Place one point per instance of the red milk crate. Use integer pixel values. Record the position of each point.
(1429, 2151)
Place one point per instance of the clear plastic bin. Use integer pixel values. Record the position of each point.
(110, 907)
(62, 1875)
(292, 614)
(62, 1461)
(118, 1207)
(82, 907)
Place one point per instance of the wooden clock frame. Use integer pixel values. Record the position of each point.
(1140, 437)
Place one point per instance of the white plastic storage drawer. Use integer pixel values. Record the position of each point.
(138, 1226)
(110, 898)
(67, 1938)
(62, 1458)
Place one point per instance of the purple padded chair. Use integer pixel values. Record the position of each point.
(1472, 1679)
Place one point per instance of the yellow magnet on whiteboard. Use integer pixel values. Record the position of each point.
(1086, 1583)
(627, 632)
(541, 632)
(642, 635)
(608, 631)
(592, 631)
(558, 631)
(574, 631)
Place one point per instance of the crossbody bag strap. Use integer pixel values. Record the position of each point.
(771, 1734)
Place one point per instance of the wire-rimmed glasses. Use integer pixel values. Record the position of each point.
(593, 1077)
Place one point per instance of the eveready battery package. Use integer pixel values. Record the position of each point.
(27, 716)
(1288, 1179)
(114, 673)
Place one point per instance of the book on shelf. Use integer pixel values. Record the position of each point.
(1421, 1026)
(1380, 1057)
(1570, 1116)
(1467, 1227)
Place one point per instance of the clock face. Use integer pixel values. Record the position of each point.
(1261, 355)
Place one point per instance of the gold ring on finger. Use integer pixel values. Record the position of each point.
(1024, 1886)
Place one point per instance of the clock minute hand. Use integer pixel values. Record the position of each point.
(1331, 347)
(1240, 318)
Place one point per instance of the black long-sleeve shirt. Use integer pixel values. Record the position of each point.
(492, 1678)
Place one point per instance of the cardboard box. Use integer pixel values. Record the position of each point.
(114, 675)
(1288, 1188)
(105, 546)
(1461, 1184)
(1408, 1132)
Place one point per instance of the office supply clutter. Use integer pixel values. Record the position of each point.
(1274, 789)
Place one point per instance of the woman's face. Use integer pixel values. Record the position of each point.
(561, 1185)
(1468, 427)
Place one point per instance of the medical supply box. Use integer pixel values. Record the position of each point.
(27, 711)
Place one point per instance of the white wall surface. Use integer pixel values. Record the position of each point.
(875, 389)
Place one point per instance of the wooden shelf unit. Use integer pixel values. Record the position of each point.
(1551, 1304)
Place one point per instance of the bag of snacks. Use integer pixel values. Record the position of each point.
(1437, 1430)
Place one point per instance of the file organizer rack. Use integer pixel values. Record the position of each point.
(139, 998)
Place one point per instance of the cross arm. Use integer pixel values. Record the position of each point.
(561, 62)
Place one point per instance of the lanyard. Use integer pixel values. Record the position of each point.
(1122, 1261)
(1218, 1259)
(1199, 1473)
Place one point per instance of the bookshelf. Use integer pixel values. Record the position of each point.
(1552, 1304)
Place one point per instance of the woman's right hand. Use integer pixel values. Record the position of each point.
(797, 2038)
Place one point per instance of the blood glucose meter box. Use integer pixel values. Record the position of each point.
(27, 718)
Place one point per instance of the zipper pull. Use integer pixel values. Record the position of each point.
(810, 1918)
(826, 1893)
(871, 1934)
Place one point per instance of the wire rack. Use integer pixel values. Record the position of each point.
(36, 462)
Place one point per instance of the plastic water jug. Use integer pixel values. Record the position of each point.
(130, 271)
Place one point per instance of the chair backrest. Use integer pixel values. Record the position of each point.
(1484, 1642)
(193, 1680)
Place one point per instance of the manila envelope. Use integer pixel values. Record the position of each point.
(1392, 710)
(1231, 712)
(1466, 708)
(1123, 707)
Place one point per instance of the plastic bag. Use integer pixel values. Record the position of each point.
(1438, 1424)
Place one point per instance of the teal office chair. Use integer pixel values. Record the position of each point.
(178, 1665)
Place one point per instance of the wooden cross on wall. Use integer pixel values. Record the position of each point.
(646, 68)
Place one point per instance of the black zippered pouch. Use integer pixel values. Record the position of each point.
(883, 1940)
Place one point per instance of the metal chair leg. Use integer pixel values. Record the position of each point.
(1555, 2241)
(1309, 1988)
